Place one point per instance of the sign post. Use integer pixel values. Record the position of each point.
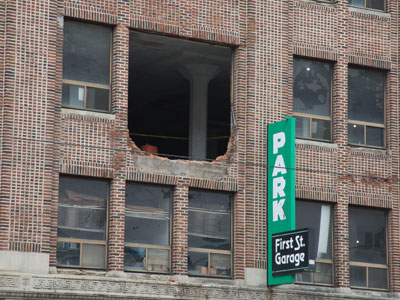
(281, 188)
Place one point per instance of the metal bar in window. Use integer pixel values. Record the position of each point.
(312, 116)
(361, 264)
(210, 251)
(86, 84)
(72, 240)
(367, 123)
(147, 246)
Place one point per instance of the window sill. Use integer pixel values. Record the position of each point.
(369, 11)
(316, 143)
(87, 113)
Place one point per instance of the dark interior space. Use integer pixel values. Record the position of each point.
(160, 93)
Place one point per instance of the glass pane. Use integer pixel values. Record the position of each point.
(366, 95)
(158, 260)
(321, 129)
(80, 191)
(210, 224)
(376, 4)
(311, 87)
(73, 95)
(377, 278)
(356, 134)
(367, 235)
(317, 218)
(196, 241)
(212, 201)
(197, 263)
(323, 273)
(134, 258)
(304, 277)
(68, 254)
(144, 230)
(97, 98)
(357, 2)
(220, 265)
(358, 276)
(86, 52)
(302, 127)
(146, 197)
(93, 255)
(375, 136)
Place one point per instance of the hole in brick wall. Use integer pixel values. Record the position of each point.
(179, 96)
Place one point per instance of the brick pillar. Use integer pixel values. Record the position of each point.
(180, 227)
(27, 126)
(339, 126)
(116, 217)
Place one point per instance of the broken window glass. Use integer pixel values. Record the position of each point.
(317, 218)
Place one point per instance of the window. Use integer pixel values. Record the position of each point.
(147, 228)
(312, 98)
(367, 243)
(317, 218)
(209, 233)
(179, 96)
(82, 215)
(366, 107)
(86, 66)
(374, 4)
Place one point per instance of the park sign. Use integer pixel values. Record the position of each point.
(281, 189)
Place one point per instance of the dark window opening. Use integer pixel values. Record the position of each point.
(179, 96)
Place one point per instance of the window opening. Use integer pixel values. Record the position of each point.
(368, 247)
(366, 107)
(86, 66)
(179, 96)
(209, 234)
(82, 221)
(373, 4)
(317, 217)
(312, 98)
(147, 228)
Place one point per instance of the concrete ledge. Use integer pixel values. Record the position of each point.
(88, 113)
(316, 143)
(26, 262)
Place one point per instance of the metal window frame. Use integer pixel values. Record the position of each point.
(314, 116)
(215, 251)
(86, 84)
(372, 124)
(374, 9)
(372, 265)
(151, 246)
(87, 241)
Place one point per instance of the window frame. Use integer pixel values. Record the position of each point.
(86, 84)
(207, 251)
(311, 117)
(151, 246)
(370, 124)
(366, 7)
(87, 241)
(374, 265)
(322, 260)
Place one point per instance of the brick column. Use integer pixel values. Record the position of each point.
(339, 126)
(180, 227)
(116, 216)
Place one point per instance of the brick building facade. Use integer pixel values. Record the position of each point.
(54, 149)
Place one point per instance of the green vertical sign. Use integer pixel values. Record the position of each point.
(281, 187)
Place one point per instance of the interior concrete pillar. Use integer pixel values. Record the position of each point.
(199, 76)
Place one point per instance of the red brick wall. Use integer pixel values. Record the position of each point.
(266, 35)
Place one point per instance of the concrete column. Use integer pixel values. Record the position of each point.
(199, 76)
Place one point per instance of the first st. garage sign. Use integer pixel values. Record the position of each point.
(287, 249)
